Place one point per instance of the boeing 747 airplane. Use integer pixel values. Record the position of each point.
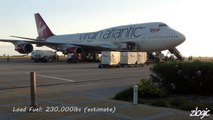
(146, 37)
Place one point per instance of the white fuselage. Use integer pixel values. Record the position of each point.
(147, 37)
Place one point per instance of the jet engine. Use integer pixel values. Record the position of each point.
(24, 48)
(74, 50)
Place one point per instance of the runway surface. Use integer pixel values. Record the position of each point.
(16, 75)
(62, 84)
(75, 92)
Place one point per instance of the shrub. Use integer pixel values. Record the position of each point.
(148, 89)
(185, 77)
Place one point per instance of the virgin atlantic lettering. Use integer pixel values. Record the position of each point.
(114, 33)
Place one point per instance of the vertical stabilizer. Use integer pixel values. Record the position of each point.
(43, 30)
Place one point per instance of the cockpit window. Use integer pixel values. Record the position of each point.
(163, 25)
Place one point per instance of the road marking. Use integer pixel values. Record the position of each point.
(52, 77)
(63, 79)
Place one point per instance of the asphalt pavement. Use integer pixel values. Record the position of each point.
(76, 92)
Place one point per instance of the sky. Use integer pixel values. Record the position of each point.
(193, 18)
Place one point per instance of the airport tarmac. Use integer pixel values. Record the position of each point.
(75, 92)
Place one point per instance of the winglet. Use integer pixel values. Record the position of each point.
(43, 30)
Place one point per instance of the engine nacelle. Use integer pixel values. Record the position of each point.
(24, 48)
(74, 50)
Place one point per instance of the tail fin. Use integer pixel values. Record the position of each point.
(43, 30)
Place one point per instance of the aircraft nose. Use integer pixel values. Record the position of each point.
(181, 38)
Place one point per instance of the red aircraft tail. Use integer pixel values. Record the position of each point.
(43, 30)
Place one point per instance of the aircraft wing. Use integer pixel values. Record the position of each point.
(23, 37)
(39, 42)
(28, 41)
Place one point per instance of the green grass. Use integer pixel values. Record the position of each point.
(125, 95)
(14, 57)
(159, 102)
